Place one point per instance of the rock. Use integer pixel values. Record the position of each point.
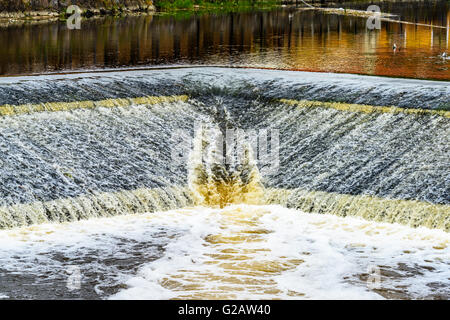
(19, 9)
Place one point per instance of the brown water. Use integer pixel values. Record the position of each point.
(284, 38)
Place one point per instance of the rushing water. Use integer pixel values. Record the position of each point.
(282, 38)
(125, 184)
(102, 146)
(69, 163)
(236, 252)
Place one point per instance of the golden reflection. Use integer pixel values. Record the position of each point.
(305, 41)
(237, 269)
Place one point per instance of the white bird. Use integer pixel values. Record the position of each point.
(394, 47)
(290, 16)
(444, 55)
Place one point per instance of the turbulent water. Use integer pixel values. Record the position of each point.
(104, 144)
(236, 252)
(73, 139)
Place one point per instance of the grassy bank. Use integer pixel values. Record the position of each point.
(43, 10)
(225, 5)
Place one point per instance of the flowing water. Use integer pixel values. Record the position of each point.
(237, 252)
(127, 182)
(225, 181)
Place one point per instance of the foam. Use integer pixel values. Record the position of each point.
(100, 204)
(268, 252)
(11, 110)
(238, 252)
(42, 254)
(408, 212)
(363, 108)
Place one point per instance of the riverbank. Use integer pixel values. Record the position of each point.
(165, 5)
(53, 9)
(48, 10)
(14, 13)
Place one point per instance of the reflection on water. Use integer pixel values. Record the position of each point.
(282, 38)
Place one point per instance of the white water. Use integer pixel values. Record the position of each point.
(67, 155)
(270, 83)
(257, 253)
(237, 252)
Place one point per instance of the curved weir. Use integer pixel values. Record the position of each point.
(102, 144)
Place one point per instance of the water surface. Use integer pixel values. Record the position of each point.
(281, 38)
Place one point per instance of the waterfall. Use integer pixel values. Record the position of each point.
(96, 145)
(75, 160)
(94, 206)
(407, 212)
(214, 179)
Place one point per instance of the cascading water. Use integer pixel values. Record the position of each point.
(335, 157)
(68, 165)
(99, 145)
(217, 180)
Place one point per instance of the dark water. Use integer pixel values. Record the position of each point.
(282, 38)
